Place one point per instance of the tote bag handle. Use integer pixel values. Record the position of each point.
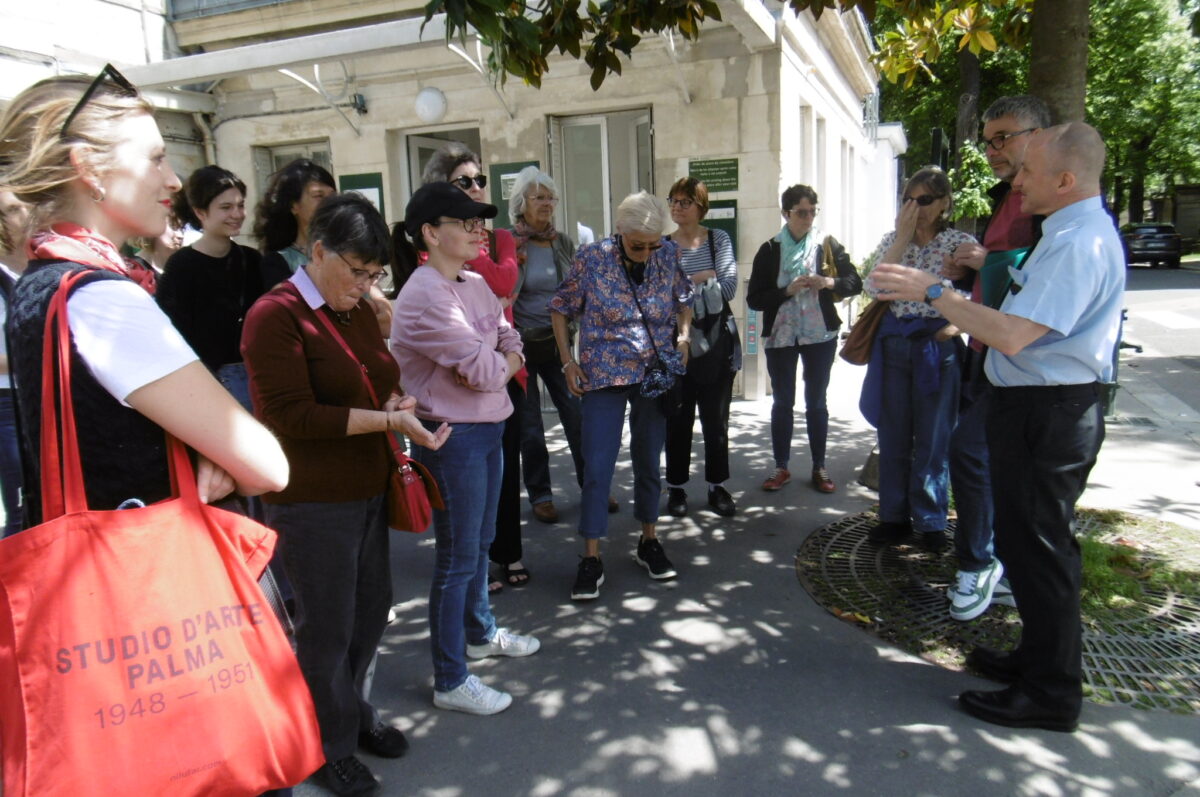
(62, 468)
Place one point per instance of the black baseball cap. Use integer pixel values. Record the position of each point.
(435, 200)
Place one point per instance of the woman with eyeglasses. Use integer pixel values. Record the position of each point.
(708, 260)
(206, 288)
(324, 382)
(797, 277)
(457, 355)
(92, 166)
(630, 298)
(910, 393)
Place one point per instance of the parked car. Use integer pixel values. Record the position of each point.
(1153, 243)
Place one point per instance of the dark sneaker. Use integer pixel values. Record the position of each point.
(651, 556)
(588, 579)
(933, 541)
(676, 502)
(347, 777)
(887, 533)
(384, 741)
(721, 501)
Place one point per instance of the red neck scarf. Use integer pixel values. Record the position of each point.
(67, 241)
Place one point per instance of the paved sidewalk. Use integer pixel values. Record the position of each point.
(731, 680)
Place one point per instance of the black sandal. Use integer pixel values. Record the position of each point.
(495, 584)
(520, 573)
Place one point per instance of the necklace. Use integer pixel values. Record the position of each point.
(343, 318)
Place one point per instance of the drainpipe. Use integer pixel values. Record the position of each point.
(206, 133)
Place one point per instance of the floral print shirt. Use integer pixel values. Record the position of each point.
(614, 349)
(927, 258)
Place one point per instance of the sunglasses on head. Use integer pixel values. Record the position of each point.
(464, 182)
(925, 200)
(109, 72)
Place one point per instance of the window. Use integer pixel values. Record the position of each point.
(268, 160)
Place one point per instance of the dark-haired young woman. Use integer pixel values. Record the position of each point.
(282, 216)
(206, 288)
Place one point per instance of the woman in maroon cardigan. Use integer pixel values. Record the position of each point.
(317, 363)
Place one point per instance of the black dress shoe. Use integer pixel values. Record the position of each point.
(993, 664)
(676, 502)
(1013, 708)
(347, 777)
(889, 533)
(721, 501)
(933, 541)
(384, 741)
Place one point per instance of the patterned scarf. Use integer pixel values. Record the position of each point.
(523, 233)
(66, 241)
(795, 256)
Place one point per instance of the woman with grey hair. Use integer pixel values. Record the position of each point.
(629, 295)
(544, 257)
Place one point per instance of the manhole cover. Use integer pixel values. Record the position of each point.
(1147, 653)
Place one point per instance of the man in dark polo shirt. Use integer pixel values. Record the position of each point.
(1051, 345)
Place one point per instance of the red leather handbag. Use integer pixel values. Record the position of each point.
(138, 654)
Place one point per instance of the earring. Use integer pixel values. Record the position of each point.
(98, 193)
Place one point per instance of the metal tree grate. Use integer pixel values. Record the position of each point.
(1146, 653)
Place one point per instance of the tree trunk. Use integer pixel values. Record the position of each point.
(1137, 191)
(967, 126)
(1118, 196)
(1058, 57)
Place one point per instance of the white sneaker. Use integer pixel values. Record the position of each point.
(972, 594)
(504, 643)
(1003, 596)
(474, 697)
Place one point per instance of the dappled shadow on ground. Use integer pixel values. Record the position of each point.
(727, 680)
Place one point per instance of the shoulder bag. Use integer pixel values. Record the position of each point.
(137, 652)
(412, 492)
(661, 380)
(857, 348)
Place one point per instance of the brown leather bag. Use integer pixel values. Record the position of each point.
(857, 348)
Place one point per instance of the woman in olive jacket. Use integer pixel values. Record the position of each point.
(796, 279)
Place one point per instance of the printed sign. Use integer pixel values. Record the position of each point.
(718, 174)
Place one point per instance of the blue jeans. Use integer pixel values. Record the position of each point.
(603, 422)
(971, 479)
(234, 378)
(781, 366)
(914, 436)
(535, 460)
(468, 468)
(10, 465)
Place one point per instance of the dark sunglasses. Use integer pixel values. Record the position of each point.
(925, 200)
(634, 246)
(464, 182)
(108, 72)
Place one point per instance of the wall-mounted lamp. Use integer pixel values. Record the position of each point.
(430, 105)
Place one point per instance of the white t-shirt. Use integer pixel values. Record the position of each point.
(123, 336)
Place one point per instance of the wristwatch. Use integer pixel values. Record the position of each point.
(933, 292)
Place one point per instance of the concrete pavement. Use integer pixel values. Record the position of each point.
(731, 680)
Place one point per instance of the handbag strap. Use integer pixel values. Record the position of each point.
(61, 465)
(395, 448)
(636, 303)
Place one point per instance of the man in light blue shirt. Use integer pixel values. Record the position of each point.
(1051, 346)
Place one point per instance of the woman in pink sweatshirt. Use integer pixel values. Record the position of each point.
(457, 353)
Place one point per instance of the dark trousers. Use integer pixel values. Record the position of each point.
(506, 548)
(817, 359)
(10, 466)
(535, 459)
(336, 556)
(1043, 442)
(712, 400)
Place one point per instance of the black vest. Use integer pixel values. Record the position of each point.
(123, 452)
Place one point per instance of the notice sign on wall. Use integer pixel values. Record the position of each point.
(718, 174)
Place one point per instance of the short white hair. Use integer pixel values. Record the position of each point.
(529, 177)
(643, 212)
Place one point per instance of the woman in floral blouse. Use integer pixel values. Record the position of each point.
(622, 290)
(911, 390)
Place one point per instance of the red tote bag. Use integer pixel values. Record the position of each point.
(138, 654)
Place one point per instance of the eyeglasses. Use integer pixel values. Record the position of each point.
(110, 72)
(998, 141)
(544, 198)
(682, 204)
(634, 246)
(361, 275)
(803, 213)
(464, 182)
(924, 200)
(469, 225)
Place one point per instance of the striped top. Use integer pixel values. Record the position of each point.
(699, 259)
